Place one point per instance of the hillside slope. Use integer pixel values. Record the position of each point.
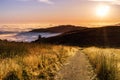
(59, 29)
(104, 36)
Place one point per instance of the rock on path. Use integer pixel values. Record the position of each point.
(78, 68)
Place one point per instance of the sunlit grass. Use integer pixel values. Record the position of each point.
(29, 61)
(105, 61)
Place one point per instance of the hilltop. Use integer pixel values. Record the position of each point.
(102, 36)
(59, 29)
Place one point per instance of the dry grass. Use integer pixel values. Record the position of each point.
(28, 61)
(106, 62)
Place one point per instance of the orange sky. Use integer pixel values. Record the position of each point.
(57, 12)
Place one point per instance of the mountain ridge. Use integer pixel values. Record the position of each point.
(103, 36)
(59, 29)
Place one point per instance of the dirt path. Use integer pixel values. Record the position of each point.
(78, 68)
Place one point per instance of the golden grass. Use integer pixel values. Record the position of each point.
(29, 61)
(106, 62)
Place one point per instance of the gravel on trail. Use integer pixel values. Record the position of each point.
(77, 68)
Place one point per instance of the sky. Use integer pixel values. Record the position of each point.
(58, 11)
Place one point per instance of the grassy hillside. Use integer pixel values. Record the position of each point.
(105, 61)
(29, 61)
(107, 36)
(59, 29)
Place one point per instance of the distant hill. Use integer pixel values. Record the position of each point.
(104, 36)
(59, 29)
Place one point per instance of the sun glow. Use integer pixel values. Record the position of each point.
(102, 10)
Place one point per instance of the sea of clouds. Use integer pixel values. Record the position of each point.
(21, 34)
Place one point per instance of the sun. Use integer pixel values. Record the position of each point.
(102, 10)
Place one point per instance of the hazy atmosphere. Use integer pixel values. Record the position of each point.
(59, 11)
(59, 39)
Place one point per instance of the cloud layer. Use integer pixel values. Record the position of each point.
(116, 2)
(44, 1)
